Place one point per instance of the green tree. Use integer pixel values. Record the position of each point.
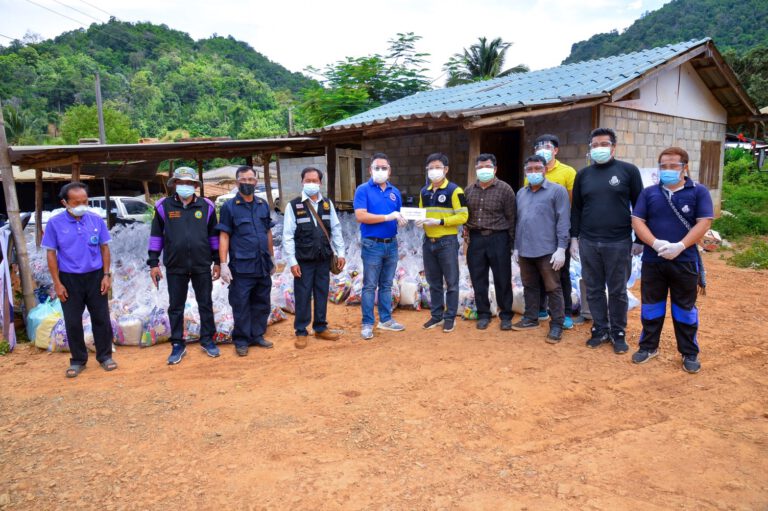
(481, 61)
(20, 127)
(82, 121)
(357, 84)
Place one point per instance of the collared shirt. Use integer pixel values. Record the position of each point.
(77, 241)
(370, 197)
(543, 219)
(561, 174)
(289, 230)
(247, 224)
(452, 209)
(693, 201)
(492, 208)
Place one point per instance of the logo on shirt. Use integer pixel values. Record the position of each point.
(326, 206)
(198, 214)
(441, 198)
(685, 209)
(94, 240)
(614, 181)
(392, 196)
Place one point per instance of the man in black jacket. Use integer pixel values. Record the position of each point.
(184, 230)
(601, 230)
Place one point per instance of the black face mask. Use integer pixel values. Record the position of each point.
(246, 188)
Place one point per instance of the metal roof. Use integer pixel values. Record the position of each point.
(567, 84)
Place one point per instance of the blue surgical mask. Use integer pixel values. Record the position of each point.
(545, 153)
(78, 211)
(669, 177)
(485, 174)
(311, 189)
(535, 178)
(600, 154)
(185, 191)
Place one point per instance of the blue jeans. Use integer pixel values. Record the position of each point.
(441, 261)
(379, 265)
(606, 264)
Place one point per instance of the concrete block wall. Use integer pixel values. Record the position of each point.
(408, 152)
(572, 128)
(290, 175)
(641, 136)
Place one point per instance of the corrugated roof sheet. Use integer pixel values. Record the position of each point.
(547, 86)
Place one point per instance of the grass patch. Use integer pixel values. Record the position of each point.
(754, 256)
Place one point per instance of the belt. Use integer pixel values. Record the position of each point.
(483, 232)
(382, 240)
(435, 240)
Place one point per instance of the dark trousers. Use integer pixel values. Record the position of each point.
(538, 269)
(441, 263)
(680, 280)
(606, 264)
(565, 285)
(250, 301)
(178, 285)
(84, 290)
(491, 252)
(314, 282)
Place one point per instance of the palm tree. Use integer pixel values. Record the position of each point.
(481, 61)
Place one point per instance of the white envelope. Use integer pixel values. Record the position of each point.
(413, 213)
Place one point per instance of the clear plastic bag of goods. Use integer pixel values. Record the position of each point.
(276, 314)
(157, 328)
(225, 323)
(39, 313)
(355, 291)
(410, 294)
(191, 322)
(339, 287)
(44, 330)
(58, 337)
(129, 330)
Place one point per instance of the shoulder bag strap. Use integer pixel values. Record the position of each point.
(319, 222)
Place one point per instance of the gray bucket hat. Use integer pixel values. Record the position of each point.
(183, 174)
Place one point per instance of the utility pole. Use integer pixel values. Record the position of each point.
(12, 207)
(290, 120)
(102, 141)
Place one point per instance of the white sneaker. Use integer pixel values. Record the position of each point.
(367, 332)
(391, 325)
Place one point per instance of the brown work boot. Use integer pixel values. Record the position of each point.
(327, 335)
(301, 342)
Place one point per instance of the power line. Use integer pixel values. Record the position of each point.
(77, 10)
(10, 38)
(58, 13)
(98, 9)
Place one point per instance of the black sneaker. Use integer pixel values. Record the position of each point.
(643, 356)
(506, 324)
(691, 364)
(241, 351)
(620, 345)
(482, 323)
(525, 324)
(432, 323)
(449, 325)
(555, 334)
(598, 339)
(262, 343)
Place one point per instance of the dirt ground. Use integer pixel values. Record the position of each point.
(467, 420)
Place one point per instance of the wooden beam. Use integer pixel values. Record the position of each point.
(279, 184)
(474, 152)
(38, 207)
(249, 160)
(265, 157)
(145, 184)
(107, 200)
(523, 114)
(330, 165)
(76, 171)
(200, 176)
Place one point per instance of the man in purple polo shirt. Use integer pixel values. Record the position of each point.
(78, 259)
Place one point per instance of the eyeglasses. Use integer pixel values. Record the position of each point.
(489, 167)
(671, 166)
(435, 168)
(534, 169)
(544, 145)
(595, 145)
(385, 169)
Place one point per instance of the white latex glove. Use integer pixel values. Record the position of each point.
(671, 250)
(637, 249)
(226, 273)
(516, 256)
(658, 244)
(395, 215)
(575, 248)
(558, 259)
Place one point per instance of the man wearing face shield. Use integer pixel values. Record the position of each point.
(547, 146)
(245, 236)
(77, 244)
(491, 232)
(601, 231)
(541, 239)
(184, 230)
(670, 219)
(377, 208)
(446, 211)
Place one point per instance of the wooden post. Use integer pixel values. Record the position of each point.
(76, 171)
(146, 190)
(12, 209)
(249, 160)
(265, 157)
(474, 152)
(200, 174)
(38, 207)
(330, 166)
(107, 199)
(279, 185)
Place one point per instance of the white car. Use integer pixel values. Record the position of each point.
(261, 192)
(133, 208)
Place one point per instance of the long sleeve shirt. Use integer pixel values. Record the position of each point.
(492, 208)
(543, 220)
(289, 230)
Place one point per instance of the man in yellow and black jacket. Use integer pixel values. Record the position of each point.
(446, 210)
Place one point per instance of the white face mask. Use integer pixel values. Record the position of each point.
(78, 211)
(435, 175)
(311, 189)
(380, 176)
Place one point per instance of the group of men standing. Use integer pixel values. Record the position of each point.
(556, 215)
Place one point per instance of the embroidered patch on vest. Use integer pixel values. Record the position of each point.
(198, 214)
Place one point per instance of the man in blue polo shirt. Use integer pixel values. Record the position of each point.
(78, 259)
(670, 218)
(377, 208)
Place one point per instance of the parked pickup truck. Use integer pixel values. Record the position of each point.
(126, 208)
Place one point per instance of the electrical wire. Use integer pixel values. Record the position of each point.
(98, 9)
(56, 12)
(78, 10)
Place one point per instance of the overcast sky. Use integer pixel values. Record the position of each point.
(297, 34)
